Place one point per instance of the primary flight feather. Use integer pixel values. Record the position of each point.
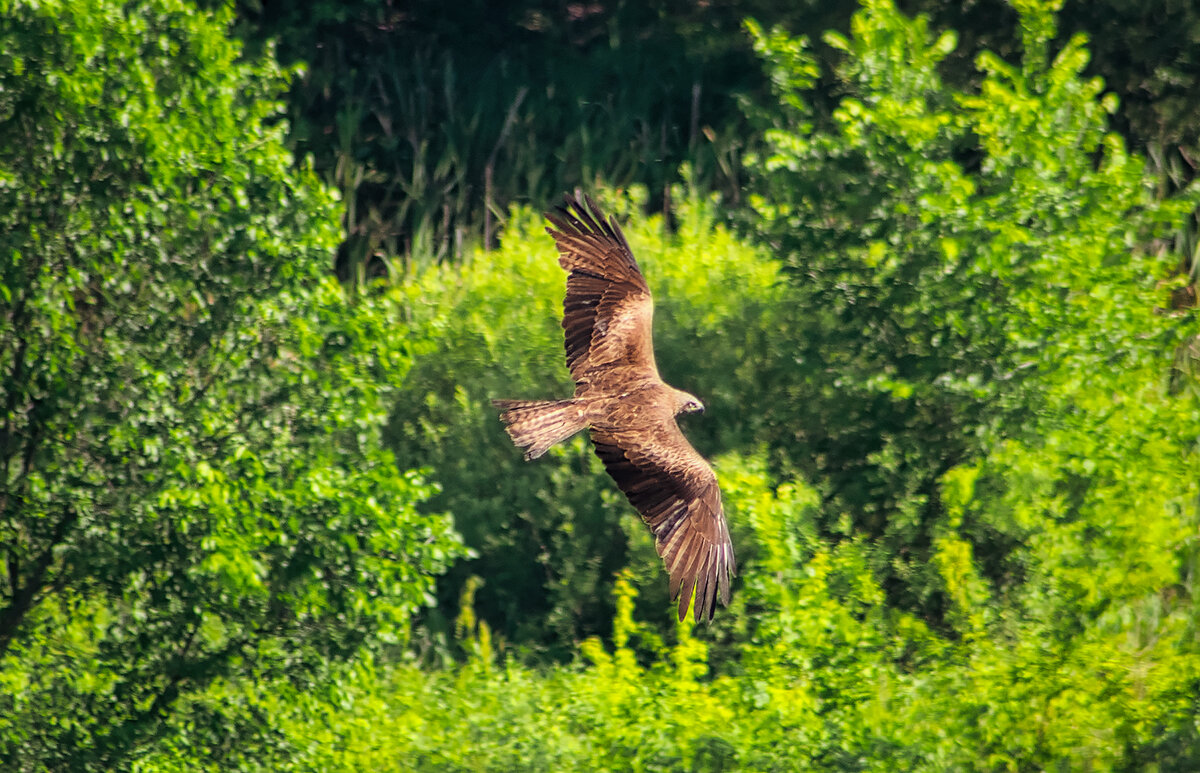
(629, 410)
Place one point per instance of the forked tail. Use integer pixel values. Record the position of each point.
(535, 425)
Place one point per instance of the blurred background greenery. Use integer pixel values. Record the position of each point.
(930, 265)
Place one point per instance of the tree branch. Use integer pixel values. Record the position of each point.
(22, 598)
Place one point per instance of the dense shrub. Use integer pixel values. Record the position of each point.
(1090, 663)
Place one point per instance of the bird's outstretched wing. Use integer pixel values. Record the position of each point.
(607, 312)
(676, 493)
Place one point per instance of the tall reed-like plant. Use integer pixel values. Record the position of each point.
(431, 134)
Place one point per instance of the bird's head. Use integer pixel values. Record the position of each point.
(685, 403)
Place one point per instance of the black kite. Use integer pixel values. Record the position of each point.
(630, 412)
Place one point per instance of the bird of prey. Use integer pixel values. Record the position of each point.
(628, 409)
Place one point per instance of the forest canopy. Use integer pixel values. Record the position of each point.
(930, 268)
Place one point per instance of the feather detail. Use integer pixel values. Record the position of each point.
(535, 425)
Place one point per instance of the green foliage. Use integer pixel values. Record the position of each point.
(958, 256)
(1089, 653)
(1143, 51)
(963, 498)
(433, 118)
(552, 534)
(193, 486)
(824, 675)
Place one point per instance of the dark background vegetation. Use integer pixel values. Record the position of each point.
(930, 265)
(433, 118)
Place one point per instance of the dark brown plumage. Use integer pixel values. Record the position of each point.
(619, 396)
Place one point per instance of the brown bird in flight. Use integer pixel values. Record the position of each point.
(630, 412)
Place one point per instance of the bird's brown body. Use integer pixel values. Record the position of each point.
(619, 395)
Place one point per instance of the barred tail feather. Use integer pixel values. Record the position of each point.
(535, 425)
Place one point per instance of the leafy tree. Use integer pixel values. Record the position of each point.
(957, 255)
(1143, 51)
(192, 485)
(432, 118)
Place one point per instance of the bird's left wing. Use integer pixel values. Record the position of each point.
(677, 495)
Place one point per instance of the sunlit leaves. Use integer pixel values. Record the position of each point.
(957, 255)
